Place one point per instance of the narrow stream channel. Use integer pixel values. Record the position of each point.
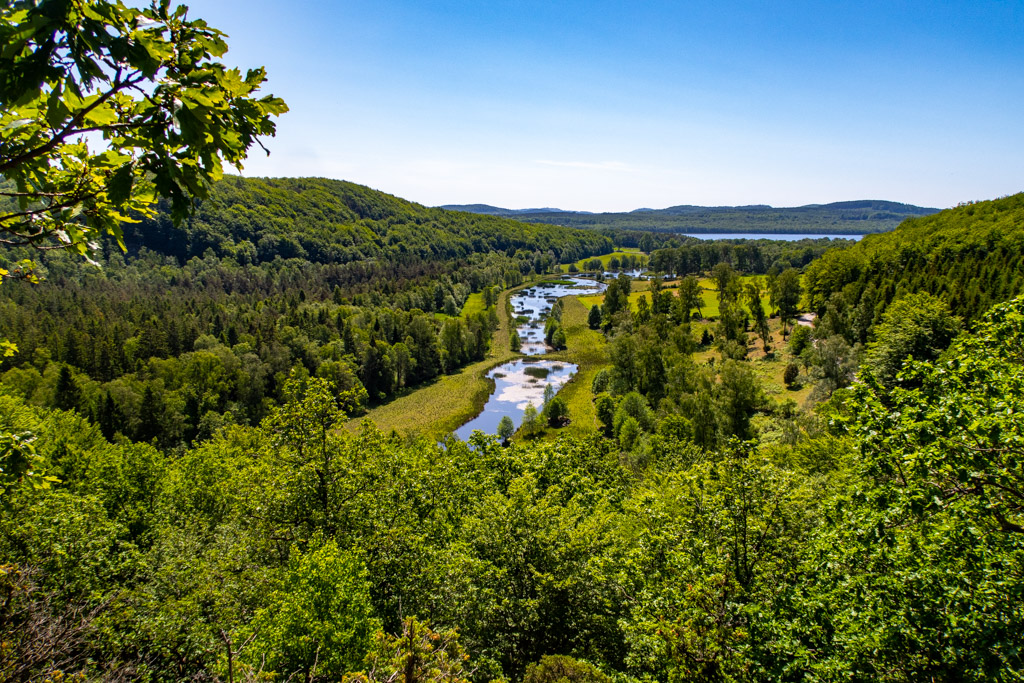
(521, 382)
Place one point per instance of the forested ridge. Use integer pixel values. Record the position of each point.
(853, 217)
(333, 221)
(971, 257)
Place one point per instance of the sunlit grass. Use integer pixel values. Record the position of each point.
(768, 369)
(710, 309)
(474, 304)
(442, 406)
(588, 349)
(605, 258)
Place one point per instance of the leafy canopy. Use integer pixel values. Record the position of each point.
(104, 107)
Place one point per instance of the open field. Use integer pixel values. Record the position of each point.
(605, 258)
(769, 370)
(474, 304)
(710, 294)
(435, 409)
(588, 349)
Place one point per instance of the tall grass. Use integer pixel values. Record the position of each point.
(442, 406)
(588, 349)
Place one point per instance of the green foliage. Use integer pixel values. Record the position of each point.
(531, 423)
(833, 365)
(785, 294)
(790, 375)
(799, 339)
(917, 326)
(336, 222)
(559, 668)
(628, 432)
(147, 81)
(556, 412)
(319, 623)
(927, 544)
(418, 655)
(633, 405)
(971, 257)
(20, 464)
(883, 548)
(506, 428)
(720, 536)
(606, 413)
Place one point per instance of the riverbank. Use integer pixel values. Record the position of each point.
(588, 349)
(442, 406)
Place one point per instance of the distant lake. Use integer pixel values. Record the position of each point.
(785, 236)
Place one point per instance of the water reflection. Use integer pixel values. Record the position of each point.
(534, 303)
(517, 384)
(522, 382)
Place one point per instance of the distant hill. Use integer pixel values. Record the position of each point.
(497, 210)
(840, 218)
(972, 256)
(333, 221)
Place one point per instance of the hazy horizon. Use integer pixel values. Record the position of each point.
(606, 106)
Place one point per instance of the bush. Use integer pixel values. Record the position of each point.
(557, 412)
(558, 668)
(321, 615)
(799, 339)
(790, 374)
(558, 338)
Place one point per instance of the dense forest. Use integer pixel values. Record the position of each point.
(180, 502)
(169, 345)
(850, 218)
(971, 257)
(332, 221)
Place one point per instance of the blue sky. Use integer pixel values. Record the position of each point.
(612, 106)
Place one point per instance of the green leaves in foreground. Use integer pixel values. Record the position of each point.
(918, 576)
(104, 107)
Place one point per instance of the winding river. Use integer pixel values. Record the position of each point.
(521, 382)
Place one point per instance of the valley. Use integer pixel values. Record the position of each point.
(260, 424)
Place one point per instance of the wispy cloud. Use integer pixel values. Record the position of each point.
(592, 165)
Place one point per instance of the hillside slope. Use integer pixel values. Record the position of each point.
(332, 221)
(972, 256)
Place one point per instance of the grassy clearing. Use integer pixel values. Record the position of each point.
(768, 369)
(588, 349)
(442, 406)
(709, 310)
(605, 258)
(474, 304)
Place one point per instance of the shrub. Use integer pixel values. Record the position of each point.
(558, 668)
(790, 374)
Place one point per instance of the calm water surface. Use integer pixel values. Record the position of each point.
(781, 236)
(517, 384)
(521, 382)
(534, 303)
